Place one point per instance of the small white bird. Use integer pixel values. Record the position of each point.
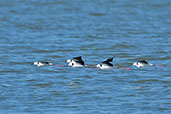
(106, 64)
(76, 62)
(39, 63)
(142, 63)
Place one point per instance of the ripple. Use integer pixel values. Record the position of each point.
(11, 71)
(43, 85)
(129, 95)
(145, 81)
(44, 51)
(57, 30)
(97, 14)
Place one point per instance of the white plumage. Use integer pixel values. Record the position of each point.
(142, 63)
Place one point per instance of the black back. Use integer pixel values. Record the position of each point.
(45, 62)
(143, 61)
(108, 61)
(78, 60)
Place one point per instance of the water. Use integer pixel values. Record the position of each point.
(56, 30)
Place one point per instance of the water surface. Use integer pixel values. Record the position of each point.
(95, 29)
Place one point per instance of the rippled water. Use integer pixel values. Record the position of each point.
(55, 30)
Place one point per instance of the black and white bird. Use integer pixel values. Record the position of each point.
(76, 62)
(142, 63)
(106, 64)
(41, 63)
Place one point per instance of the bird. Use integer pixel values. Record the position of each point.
(76, 62)
(106, 64)
(41, 63)
(142, 63)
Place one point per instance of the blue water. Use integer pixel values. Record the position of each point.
(56, 30)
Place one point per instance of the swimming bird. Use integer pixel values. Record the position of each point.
(40, 63)
(76, 62)
(106, 64)
(142, 63)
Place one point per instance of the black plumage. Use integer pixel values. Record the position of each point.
(78, 60)
(46, 63)
(107, 62)
(143, 61)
